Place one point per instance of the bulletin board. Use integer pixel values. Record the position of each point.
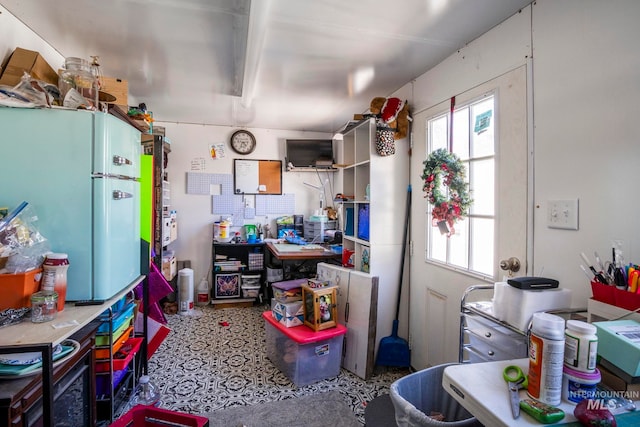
(257, 176)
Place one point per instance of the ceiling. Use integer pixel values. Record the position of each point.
(305, 65)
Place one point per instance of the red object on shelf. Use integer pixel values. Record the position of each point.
(603, 293)
(149, 416)
(132, 345)
(611, 295)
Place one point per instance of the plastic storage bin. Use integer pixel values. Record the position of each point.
(18, 288)
(303, 355)
(417, 395)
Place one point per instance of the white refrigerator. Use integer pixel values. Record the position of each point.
(80, 171)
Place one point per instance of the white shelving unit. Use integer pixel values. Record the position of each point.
(372, 218)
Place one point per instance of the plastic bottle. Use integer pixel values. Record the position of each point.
(546, 358)
(581, 346)
(145, 393)
(54, 276)
(202, 292)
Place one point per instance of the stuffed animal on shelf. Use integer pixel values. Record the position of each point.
(393, 112)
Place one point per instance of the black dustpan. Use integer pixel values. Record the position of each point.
(393, 350)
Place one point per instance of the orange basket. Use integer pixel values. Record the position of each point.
(16, 289)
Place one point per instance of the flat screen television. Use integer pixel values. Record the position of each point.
(309, 153)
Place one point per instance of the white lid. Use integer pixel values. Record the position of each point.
(547, 323)
(143, 379)
(581, 327)
(53, 255)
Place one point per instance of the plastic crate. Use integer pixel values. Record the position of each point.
(149, 416)
(417, 395)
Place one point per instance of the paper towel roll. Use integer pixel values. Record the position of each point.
(500, 300)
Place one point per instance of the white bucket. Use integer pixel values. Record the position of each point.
(185, 291)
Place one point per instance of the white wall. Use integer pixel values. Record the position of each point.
(195, 219)
(15, 34)
(586, 91)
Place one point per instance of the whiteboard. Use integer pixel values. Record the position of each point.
(257, 176)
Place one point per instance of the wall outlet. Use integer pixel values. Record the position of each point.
(563, 214)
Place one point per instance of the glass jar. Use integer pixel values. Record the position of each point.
(44, 306)
(77, 75)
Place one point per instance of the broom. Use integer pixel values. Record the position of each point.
(393, 350)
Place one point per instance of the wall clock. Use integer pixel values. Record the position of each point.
(243, 142)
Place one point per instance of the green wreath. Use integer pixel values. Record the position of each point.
(445, 168)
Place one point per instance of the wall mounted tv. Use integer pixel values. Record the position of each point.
(309, 153)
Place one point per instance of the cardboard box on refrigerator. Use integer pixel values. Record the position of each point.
(118, 88)
(619, 343)
(288, 314)
(32, 62)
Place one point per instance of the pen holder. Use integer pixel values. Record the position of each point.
(611, 295)
(627, 300)
(603, 293)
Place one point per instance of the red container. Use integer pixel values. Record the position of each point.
(627, 300)
(132, 345)
(611, 295)
(149, 416)
(603, 293)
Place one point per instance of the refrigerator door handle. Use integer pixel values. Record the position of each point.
(119, 195)
(119, 160)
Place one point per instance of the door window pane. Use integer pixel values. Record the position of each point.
(471, 247)
(482, 179)
(482, 245)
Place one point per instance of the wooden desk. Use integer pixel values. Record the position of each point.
(297, 255)
(291, 252)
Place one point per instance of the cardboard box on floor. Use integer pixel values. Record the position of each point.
(32, 62)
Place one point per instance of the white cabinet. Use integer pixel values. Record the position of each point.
(372, 216)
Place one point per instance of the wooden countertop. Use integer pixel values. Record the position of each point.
(67, 322)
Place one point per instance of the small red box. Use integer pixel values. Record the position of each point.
(603, 293)
(149, 416)
(611, 295)
(132, 345)
(627, 300)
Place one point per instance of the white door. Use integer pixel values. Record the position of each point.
(434, 333)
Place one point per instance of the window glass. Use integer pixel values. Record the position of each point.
(471, 247)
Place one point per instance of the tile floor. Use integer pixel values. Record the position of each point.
(203, 366)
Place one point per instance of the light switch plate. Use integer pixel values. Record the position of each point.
(563, 214)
